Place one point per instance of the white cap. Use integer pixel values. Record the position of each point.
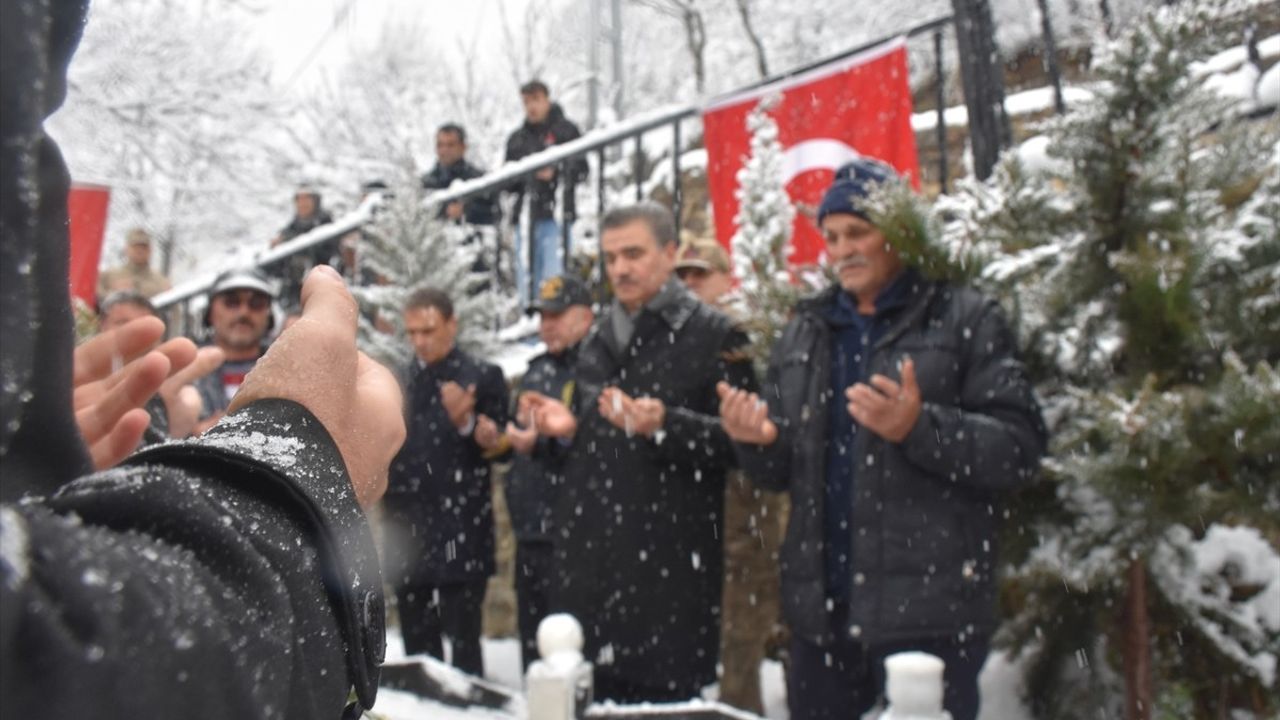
(243, 280)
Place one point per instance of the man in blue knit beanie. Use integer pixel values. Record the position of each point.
(895, 413)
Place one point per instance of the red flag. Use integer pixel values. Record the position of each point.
(858, 106)
(87, 216)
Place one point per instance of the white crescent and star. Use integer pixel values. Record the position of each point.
(815, 154)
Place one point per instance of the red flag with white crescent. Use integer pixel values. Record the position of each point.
(826, 117)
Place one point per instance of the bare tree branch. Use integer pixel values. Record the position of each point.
(744, 12)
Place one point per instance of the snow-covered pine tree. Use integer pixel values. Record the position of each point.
(1145, 284)
(762, 243)
(410, 247)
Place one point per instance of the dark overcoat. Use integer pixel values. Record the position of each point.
(638, 522)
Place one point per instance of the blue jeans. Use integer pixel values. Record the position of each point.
(548, 258)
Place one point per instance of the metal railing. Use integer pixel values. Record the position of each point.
(522, 172)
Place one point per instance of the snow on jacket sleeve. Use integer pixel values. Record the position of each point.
(229, 576)
(994, 438)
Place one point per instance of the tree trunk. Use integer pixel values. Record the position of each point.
(744, 12)
(1051, 57)
(696, 40)
(1137, 646)
(982, 75)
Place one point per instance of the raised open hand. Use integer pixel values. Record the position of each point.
(315, 364)
(887, 408)
(744, 416)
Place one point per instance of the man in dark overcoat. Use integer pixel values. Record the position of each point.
(639, 521)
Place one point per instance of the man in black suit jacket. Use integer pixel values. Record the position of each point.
(439, 506)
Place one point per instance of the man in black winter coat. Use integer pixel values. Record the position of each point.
(895, 412)
(452, 166)
(537, 472)
(638, 523)
(231, 576)
(308, 214)
(544, 125)
(439, 504)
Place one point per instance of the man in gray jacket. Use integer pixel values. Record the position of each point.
(895, 412)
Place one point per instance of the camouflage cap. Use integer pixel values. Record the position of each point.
(703, 254)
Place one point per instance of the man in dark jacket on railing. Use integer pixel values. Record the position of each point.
(231, 576)
(545, 125)
(308, 214)
(895, 412)
(452, 166)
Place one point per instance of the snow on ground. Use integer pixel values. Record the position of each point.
(1233, 57)
(1000, 682)
(1022, 103)
(401, 705)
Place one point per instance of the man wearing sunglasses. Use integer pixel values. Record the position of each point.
(239, 318)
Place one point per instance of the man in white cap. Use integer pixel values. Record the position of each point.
(239, 318)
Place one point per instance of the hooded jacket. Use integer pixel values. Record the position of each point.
(532, 138)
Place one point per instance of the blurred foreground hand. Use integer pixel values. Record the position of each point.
(315, 363)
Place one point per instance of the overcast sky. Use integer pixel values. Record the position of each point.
(303, 36)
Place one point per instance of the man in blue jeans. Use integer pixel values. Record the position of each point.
(544, 125)
(895, 413)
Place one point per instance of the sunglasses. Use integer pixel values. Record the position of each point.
(255, 300)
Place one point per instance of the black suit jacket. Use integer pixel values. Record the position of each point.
(439, 504)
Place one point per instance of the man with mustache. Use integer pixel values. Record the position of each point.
(639, 520)
(894, 411)
(239, 317)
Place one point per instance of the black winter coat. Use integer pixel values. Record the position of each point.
(476, 210)
(638, 544)
(925, 511)
(532, 138)
(218, 578)
(536, 478)
(209, 579)
(439, 504)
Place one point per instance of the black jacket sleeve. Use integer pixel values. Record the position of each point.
(769, 466)
(230, 576)
(695, 436)
(994, 437)
(493, 401)
(577, 169)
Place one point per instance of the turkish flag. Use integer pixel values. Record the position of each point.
(87, 223)
(826, 117)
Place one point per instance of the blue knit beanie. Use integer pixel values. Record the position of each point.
(853, 183)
